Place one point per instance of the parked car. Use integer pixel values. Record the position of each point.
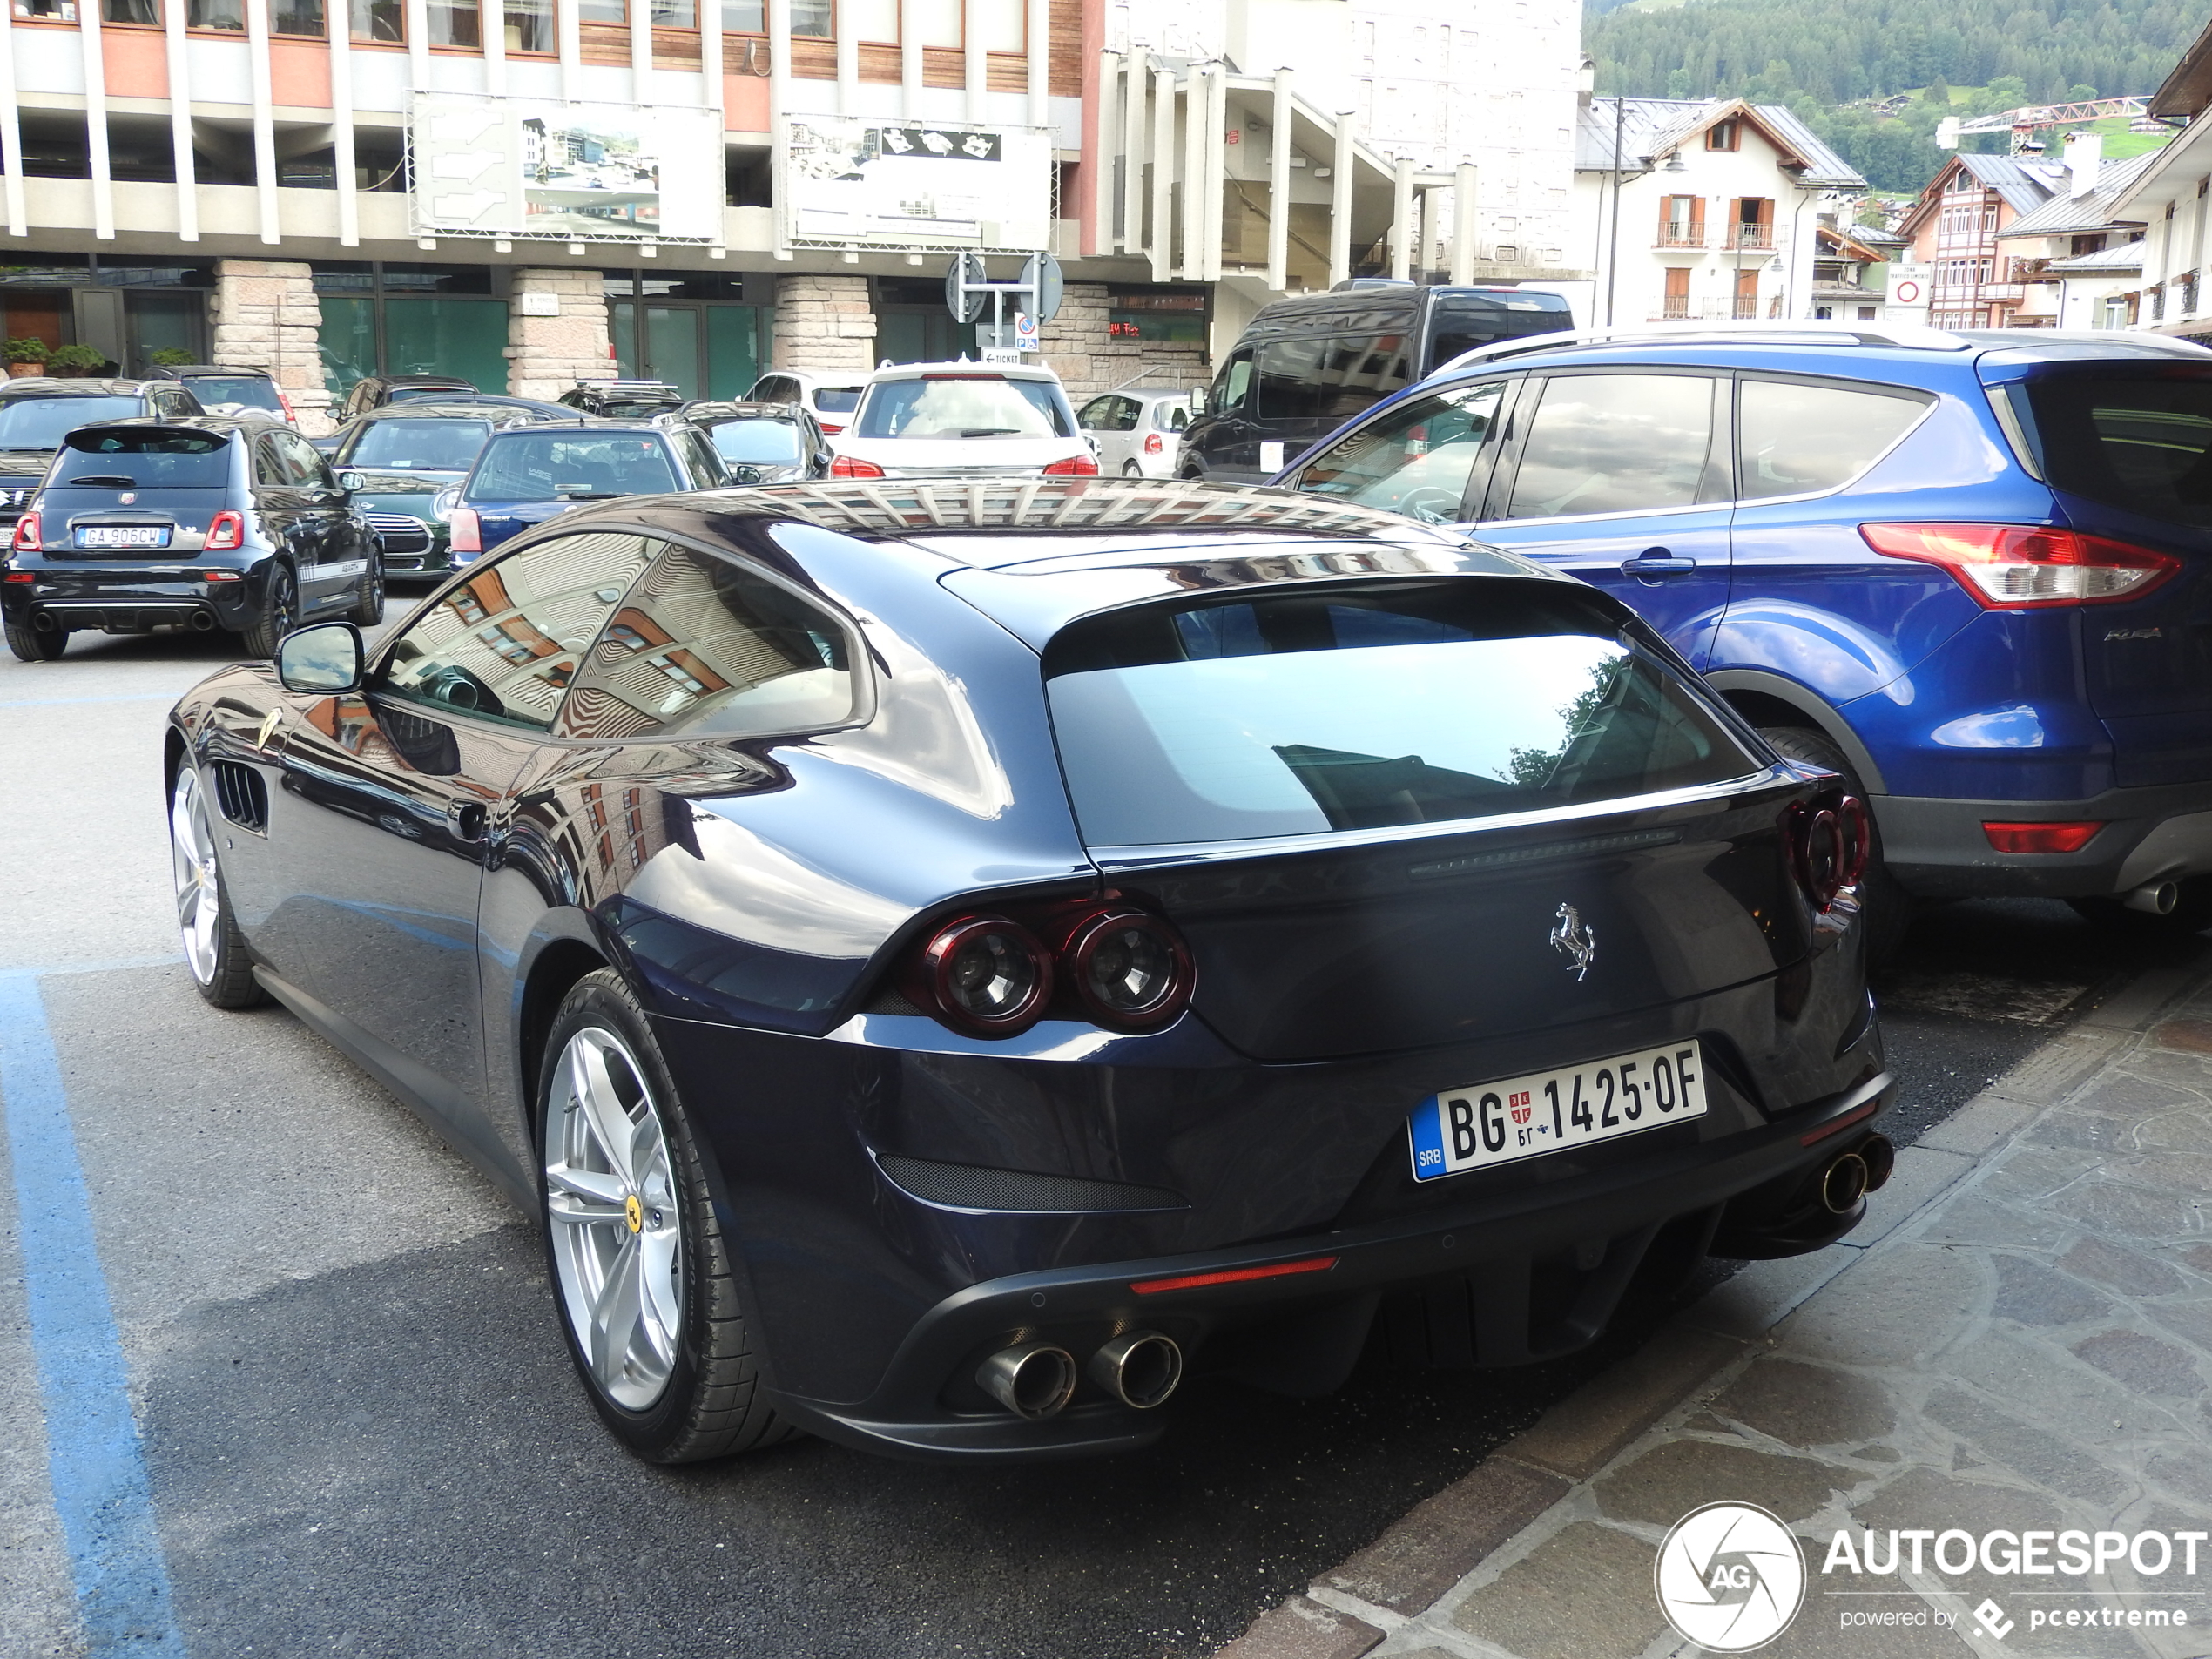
(943, 961)
(397, 462)
(527, 475)
(37, 410)
(763, 443)
(1304, 365)
(623, 399)
(1139, 432)
(1961, 569)
(961, 420)
(375, 391)
(830, 399)
(199, 522)
(229, 390)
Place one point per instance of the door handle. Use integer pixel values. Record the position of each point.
(1656, 562)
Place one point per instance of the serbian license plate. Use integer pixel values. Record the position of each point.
(123, 536)
(1459, 1129)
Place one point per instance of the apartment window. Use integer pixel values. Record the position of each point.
(1747, 293)
(529, 26)
(46, 10)
(674, 14)
(813, 18)
(1753, 222)
(380, 23)
(227, 15)
(745, 16)
(603, 11)
(130, 11)
(1682, 222)
(1677, 304)
(296, 17)
(455, 23)
(1724, 135)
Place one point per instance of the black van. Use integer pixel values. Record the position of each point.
(1303, 367)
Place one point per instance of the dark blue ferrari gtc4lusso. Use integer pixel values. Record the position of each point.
(943, 961)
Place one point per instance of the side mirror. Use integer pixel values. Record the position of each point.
(349, 479)
(326, 657)
(1197, 400)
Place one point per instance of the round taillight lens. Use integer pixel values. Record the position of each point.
(986, 975)
(1129, 968)
(1828, 845)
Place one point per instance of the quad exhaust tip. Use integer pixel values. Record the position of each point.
(1033, 1381)
(1880, 1157)
(1843, 1183)
(1139, 1368)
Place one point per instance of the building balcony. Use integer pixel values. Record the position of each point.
(1751, 240)
(1670, 238)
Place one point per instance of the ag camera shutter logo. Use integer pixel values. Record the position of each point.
(1730, 1577)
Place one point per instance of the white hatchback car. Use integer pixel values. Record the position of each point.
(961, 420)
(1139, 434)
(829, 398)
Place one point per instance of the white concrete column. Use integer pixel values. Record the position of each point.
(1340, 200)
(1280, 113)
(1161, 245)
(1192, 218)
(639, 15)
(977, 62)
(1401, 220)
(909, 61)
(179, 68)
(1134, 80)
(265, 161)
(418, 44)
(491, 25)
(341, 116)
(778, 101)
(1463, 226)
(1216, 170)
(1101, 158)
(1037, 45)
(717, 100)
(11, 132)
(88, 35)
(568, 34)
(848, 61)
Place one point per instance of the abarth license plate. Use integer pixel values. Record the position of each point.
(1484, 1124)
(123, 536)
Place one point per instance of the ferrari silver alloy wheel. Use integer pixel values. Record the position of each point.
(191, 852)
(616, 1232)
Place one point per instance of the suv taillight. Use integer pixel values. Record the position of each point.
(225, 534)
(846, 466)
(26, 538)
(995, 974)
(2011, 567)
(464, 531)
(1073, 467)
(285, 404)
(1828, 840)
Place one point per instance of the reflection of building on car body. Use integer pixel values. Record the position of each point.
(942, 957)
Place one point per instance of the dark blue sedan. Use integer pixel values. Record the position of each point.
(944, 963)
(525, 475)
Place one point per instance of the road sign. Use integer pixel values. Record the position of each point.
(1025, 331)
(1041, 276)
(964, 291)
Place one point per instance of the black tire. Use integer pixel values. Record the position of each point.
(1131, 469)
(279, 615)
(32, 646)
(711, 1403)
(222, 970)
(2192, 912)
(368, 597)
(1886, 909)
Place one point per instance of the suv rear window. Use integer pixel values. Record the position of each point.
(837, 400)
(39, 422)
(2140, 443)
(964, 406)
(145, 458)
(419, 444)
(1365, 708)
(571, 466)
(251, 391)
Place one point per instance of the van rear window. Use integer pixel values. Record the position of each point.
(145, 458)
(2143, 443)
(1363, 708)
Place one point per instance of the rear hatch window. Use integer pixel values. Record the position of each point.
(964, 406)
(424, 445)
(40, 422)
(571, 466)
(144, 458)
(249, 391)
(1228, 720)
(2140, 441)
(837, 400)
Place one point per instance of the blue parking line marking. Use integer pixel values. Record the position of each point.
(93, 1456)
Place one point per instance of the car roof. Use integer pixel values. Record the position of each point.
(48, 386)
(813, 377)
(226, 425)
(433, 408)
(961, 366)
(179, 370)
(711, 408)
(422, 380)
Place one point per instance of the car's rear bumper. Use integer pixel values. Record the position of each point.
(1938, 849)
(1486, 1283)
(126, 602)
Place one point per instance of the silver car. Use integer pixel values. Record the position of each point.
(1137, 434)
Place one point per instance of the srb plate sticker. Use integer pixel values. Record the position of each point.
(1485, 1124)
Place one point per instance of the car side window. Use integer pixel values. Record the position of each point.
(1096, 415)
(1233, 389)
(300, 460)
(1417, 459)
(1798, 437)
(504, 644)
(1613, 443)
(702, 646)
(269, 469)
(702, 460)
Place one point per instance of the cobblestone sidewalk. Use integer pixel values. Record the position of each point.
(2018, 1340)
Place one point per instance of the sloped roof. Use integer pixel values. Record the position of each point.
(2128, 256)
(1650, 127)
(1848, 245)
(2064, 214)
(2025, 185)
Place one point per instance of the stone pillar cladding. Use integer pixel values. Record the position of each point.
(266, 316)
(825, 323)
(1079, 347)
(548, 355)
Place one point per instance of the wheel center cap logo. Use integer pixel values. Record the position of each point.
(1730, 1577)
(634, 1213)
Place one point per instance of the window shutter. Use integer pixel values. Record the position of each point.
(1697, 221)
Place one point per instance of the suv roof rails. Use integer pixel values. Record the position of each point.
(1751, 331)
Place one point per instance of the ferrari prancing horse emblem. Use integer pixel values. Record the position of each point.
(1576, 941)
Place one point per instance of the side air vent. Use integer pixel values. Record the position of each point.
(968, 1186)
(241, 795)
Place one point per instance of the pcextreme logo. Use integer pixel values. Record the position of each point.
(1730, 1577)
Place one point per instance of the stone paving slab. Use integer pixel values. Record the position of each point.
(2017, 1342)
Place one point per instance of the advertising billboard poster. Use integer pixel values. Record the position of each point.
(532, 167)
(852, 182)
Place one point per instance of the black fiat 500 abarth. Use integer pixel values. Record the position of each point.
(214, 522)
(942, 961)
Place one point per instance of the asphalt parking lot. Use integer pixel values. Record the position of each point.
(360, 1432)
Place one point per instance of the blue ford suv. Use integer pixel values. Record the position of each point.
(1971, 570)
